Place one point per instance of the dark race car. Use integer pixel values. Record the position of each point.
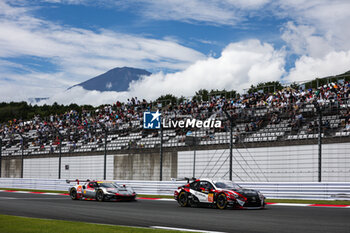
(101, 191)
(220, 194)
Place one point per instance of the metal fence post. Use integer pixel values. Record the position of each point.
(319, 145)
(231, 147)
(0, 156)
(60, 157)
(194, 154)
(60, 153)
(161, 155)
(230, 118)
(22, 155)
(319, 113)
(105, 155)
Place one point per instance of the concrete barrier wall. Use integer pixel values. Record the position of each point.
(11, 168)
(72, 167)
(145, 166)
(133, 166)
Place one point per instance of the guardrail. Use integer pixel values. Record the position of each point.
(282, 190)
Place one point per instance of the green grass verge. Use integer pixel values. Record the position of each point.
(171, 197)
(15, 224)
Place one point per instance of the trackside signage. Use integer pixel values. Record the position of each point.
(152, 120)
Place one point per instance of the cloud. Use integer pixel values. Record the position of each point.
(214, 12)
(79, 95)
(303, 41)
(307, 68)
(78, 54)
(317, 27)
(240, 65)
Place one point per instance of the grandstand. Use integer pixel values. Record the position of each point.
(282, 118)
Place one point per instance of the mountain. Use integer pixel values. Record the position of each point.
(117, 79)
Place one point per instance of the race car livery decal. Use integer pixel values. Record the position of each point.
(79, 188)
(211, 197)
(202, 197)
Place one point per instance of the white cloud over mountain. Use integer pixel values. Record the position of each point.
(240, 65)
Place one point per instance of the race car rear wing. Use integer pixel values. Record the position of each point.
(69, 181)
(185, 178)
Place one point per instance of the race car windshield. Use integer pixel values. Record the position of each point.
(227, 185)
(108, 185)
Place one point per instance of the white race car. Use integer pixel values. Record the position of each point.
(100, 191)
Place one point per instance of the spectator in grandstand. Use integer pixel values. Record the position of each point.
(310, 128)
(89, 125)
(347, 127)
(327, 125)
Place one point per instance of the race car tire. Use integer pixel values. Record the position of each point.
(182, 199)
(73, 194)
(221, 201)
(100, 196)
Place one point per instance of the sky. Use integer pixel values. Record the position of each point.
(47, 46)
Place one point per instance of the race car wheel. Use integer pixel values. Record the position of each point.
(221, 201)
(73, 194)
(100, 196)
(182, 199)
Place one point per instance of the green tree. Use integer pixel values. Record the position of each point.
(201, 95)
(167, 99)
(266, 87)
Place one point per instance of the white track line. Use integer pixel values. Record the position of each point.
(183, 229)
(290, 204)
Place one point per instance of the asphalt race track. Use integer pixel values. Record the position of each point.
(146, 213)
